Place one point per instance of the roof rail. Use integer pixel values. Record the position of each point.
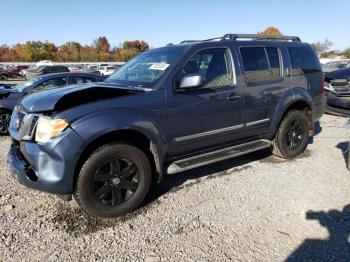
(247, 36)
(261, 37)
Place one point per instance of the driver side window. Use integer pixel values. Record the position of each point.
(214, 65)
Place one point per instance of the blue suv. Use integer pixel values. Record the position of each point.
(167, 110)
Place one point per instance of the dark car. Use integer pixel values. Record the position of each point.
(11, 72)
(337, 86)
(43, 70)
(10, 95)
(336, 65)
(167, 110)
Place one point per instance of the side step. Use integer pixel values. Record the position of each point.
(218, 155)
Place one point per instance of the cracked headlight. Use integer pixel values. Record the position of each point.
(48, 128)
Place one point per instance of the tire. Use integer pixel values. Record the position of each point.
(5, 117)
(3, 78)
(113, 181)
(292, 136)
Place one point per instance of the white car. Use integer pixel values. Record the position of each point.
(106, 70)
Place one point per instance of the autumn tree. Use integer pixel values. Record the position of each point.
(100, 50)
(271, 30)
(103, 47)
(70, 51)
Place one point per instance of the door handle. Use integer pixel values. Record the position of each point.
(233, 97)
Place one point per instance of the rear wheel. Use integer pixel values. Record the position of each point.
(292, 136)
(4, 122)
(113, 181)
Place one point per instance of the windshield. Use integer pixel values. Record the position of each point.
(146, 68)
(22, 87)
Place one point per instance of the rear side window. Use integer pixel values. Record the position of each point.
(303, 60)
(261, 64)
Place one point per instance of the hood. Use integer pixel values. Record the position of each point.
(59, 99)
(342, 73)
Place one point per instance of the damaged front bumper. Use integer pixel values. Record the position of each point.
(48, 167)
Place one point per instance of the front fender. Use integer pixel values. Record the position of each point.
(92, 126)
(286, 100)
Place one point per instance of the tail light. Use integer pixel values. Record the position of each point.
(323, 87)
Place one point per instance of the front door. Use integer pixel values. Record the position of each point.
(208, 116)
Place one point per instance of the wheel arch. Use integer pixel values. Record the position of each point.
(300, 99)
(130, 136)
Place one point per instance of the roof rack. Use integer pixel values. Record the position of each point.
(248, 36)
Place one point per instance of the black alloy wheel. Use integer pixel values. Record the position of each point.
(115, 181)
(4, 122)
(292, 135)
(295, 134)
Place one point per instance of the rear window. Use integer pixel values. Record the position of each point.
(261, 64)
(303, 60)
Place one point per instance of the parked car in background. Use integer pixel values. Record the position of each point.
(117, 67)
(106, 70)
(335, 65)
(12, 72)
(337, 86)
(43, 70)
(167, 110)
(74, 68)
(10, 95)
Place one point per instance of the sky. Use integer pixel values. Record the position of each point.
(160, 22)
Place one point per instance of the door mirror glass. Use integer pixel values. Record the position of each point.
(191, 81)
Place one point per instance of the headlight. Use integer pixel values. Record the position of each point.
(48, 128)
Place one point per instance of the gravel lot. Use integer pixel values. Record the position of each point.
(252, 208)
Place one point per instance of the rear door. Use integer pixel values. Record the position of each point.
(264, 82)
(208, 116)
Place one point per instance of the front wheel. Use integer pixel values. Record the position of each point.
(3, 77)
(113, 181)
(292, 136)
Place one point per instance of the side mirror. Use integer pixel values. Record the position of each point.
(191, 81)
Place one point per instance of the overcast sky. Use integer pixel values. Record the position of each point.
(160, 22)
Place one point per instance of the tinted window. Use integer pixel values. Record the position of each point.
(58, 81)
(256, 66)
(303, 60)
(73, 80)
(260, 64)
(214, 65)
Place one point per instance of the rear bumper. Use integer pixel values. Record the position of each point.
(49, 167)
(318, 110)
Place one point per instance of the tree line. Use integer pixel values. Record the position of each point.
(100, 50)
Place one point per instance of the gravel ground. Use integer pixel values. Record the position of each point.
(252, 208)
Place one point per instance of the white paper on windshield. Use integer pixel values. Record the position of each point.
(159, 66)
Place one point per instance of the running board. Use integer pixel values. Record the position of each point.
(218, 155)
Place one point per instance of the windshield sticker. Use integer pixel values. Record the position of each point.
(159, 66)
